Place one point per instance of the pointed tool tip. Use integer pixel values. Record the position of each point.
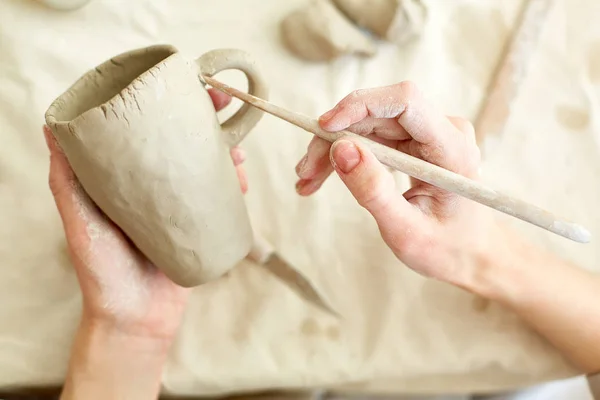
(582, 235)
(572, 231)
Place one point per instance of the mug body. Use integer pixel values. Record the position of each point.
(142, 136)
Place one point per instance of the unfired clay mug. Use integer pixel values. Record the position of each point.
(142, 136)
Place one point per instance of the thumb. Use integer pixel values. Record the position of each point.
(73, 204)
(373, 187)
(61, 179)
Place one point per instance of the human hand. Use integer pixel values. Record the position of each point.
(122, 291)
(436, 233)
(447, 237)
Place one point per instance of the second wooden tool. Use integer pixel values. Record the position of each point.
(423, 170)
(511, 71)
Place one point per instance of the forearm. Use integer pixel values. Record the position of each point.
(557, 299)
(108, 365)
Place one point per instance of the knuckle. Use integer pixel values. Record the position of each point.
(409, 89)
(364, 127)
(388, 109)
(352, 97)
(434, 153)
(61, 186)
(55, 187)
(359, 92)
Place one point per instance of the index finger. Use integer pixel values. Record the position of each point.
(401, 101)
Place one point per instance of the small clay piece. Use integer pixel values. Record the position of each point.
(64, 5)
(320, 32)
(143, 138)
(398, 21)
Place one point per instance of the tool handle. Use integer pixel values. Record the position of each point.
(424, 171)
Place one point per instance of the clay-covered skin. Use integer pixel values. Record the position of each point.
(394, 20)
(64, 5)
(320, 32)
(142, 136)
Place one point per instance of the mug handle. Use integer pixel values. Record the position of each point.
(242, 122)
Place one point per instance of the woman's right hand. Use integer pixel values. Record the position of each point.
(436, 233)
(444, 236)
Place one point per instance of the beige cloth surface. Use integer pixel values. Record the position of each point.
(399, 332)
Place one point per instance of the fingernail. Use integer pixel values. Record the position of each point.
(301, 166)
(345, 156)
(328, 115)
(301, 184)
(307, 186)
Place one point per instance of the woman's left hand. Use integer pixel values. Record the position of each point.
(131, 310)
(121, 288)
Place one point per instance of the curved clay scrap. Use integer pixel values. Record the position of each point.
(64, 5)
(320, 32)
(395, 20)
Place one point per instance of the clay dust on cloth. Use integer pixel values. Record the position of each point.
(399, 331)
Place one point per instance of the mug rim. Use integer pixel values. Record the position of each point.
(62, 101)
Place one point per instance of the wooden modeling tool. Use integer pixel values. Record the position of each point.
(423, 170)
(511, 70)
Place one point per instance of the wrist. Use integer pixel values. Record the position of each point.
(97, 332)
(145, 325)
(553, 296)
(505, 272)
(107, 363)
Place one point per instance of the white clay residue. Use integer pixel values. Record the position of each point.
(120, 279)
